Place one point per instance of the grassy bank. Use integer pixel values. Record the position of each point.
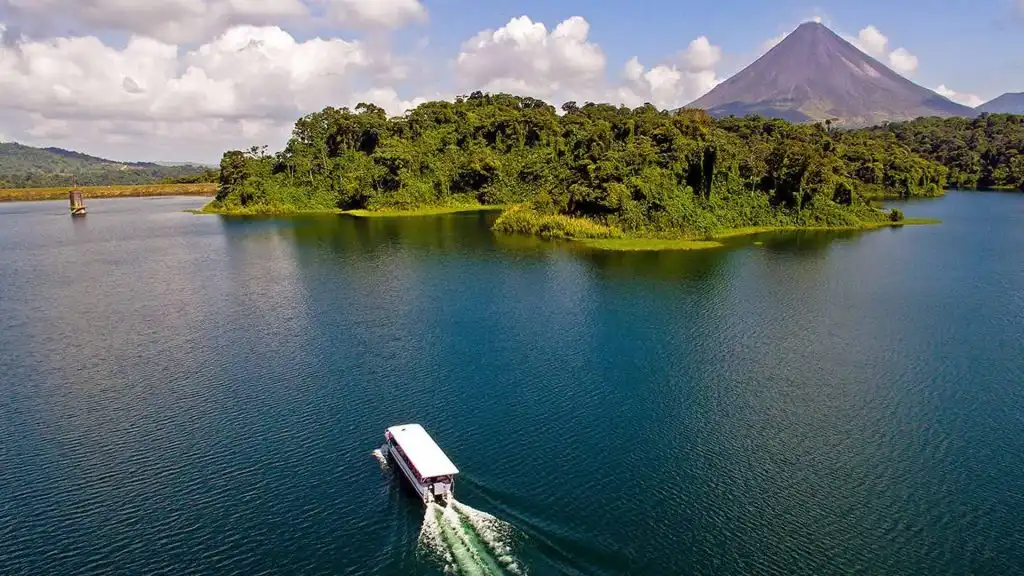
(23, 194)
(215, 207)
(640, 244)
(523, 220)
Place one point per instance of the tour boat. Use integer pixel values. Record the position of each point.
(422, 461)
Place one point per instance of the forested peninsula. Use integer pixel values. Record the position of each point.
(595, 171)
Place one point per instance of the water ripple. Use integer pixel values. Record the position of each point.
(197, 395)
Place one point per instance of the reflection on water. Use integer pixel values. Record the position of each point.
(807, 241)
(469, 232)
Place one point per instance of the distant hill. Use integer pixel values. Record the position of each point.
(27, 167)
(1009, 103)
(814, 75)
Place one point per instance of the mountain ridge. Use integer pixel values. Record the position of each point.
(815, 75)
(24, 166)
(1009, 103)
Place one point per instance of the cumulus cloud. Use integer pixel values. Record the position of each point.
(525, 57)
(562, 64)
(673, 84)
(972, 100)
(247, 72)
(902, 61)
(180, 21)
(701, 55)
(376, 13)
(388, 99)
(249, 81)
(871, 41)
(166, 20)
(159, 96)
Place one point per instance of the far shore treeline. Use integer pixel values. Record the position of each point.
(35, 168)
(598, 170)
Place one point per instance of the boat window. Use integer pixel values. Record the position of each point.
(409, 463)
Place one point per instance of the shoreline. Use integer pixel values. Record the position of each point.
(358, 213)
(425, 211)
(642, 244)
(617, 244)
(97, 192)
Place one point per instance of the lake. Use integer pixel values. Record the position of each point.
(198, 394)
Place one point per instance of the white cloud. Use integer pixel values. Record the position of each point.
(153, 98)
(376, 13)
(524, 57)
(665, 86)
(972, 100)
(247, 83)
(179, 21)
(388, 99)
(634, 70)
(701, 55)
(672, 85)
(902, 61)
(166, 20)
(871, 41)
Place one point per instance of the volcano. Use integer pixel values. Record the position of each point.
(814, 75)
(1009, 103)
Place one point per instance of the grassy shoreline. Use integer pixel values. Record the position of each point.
(523, 220)
(642, 244)
(385, 213)
(134, 191)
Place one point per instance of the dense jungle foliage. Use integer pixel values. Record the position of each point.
(641, 171)
(980, 153)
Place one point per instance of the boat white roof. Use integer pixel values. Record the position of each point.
(424, 454)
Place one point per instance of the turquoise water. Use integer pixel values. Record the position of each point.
(191, 394)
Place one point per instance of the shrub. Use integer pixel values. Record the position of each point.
(521, 219)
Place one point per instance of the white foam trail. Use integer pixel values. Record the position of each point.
(468, 541)
(432, 541)
(381, 459)
(493, 532)
(443, 540)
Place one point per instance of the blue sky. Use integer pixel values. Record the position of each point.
(973, 46)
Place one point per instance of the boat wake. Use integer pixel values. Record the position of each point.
(468, 541)
(381, 459)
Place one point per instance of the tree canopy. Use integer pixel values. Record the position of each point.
(642, 170)
(981, 153)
